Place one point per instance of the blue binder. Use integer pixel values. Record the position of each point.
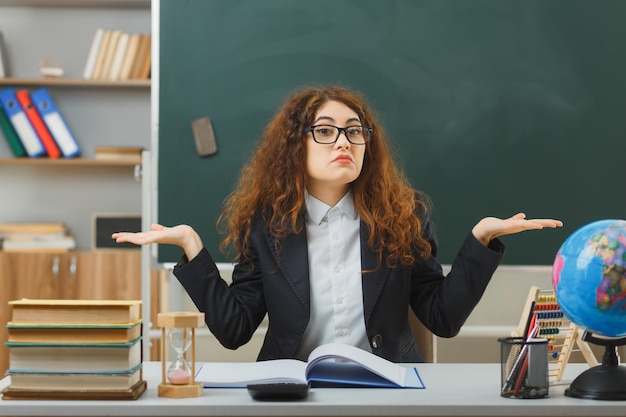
(55, 122)
(15, 113)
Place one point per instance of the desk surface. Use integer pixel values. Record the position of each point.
(451, 390)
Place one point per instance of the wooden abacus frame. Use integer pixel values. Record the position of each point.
(556, 327)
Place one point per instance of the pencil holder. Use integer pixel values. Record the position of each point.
(524, 367)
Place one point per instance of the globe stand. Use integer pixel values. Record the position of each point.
(603, 382)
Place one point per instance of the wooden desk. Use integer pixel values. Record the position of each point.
(451, 390)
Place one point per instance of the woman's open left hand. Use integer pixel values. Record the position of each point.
(490, 228)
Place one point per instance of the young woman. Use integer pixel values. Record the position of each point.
(332, 242)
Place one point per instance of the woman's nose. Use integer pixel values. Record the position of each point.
(342, 140)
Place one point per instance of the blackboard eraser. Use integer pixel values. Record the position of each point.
(203, 136)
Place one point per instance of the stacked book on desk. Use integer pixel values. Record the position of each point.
(40, 237)
(75, 349)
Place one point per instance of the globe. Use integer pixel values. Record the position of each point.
(589, 277)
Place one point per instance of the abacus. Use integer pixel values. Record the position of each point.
(542, 309)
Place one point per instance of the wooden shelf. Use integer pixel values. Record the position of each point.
(74, 82)
(66, 162)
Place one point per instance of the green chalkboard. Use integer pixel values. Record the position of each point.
(494, 106)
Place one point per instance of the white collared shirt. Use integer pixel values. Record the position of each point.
(334, 249)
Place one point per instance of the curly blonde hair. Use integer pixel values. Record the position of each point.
(272, 183)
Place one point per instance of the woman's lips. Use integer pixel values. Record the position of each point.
(343, 159)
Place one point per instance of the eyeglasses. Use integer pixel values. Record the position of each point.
(327, 134)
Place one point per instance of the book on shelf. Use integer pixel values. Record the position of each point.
(92, 57)
(28, 229)
(39, 244)
(129, 57)
(17, 148)
(74, 381)
(4, 60)
(119, 153)
(141, 66)
(111, 358)
(35, 237)
(102, 51)
(25, 131)
(73, 333)
(329, 365)
(36, 311)
(146, 62)
(110, 52)
(52, 149)
(118, 57)
(59, 129)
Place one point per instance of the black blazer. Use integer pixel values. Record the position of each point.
(276, 283)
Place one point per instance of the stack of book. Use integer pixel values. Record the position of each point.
(119, 153)
(75, 349)
(118, 56)
(40, 237)
(33, 126)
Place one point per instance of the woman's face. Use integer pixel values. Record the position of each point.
(331, 167)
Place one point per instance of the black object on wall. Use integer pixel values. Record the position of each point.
(494, 106)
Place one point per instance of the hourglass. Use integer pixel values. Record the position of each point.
(178, 330)
(179, 371)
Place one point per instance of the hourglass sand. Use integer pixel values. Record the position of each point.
(179, 331)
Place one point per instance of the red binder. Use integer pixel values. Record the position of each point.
(38, 124)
